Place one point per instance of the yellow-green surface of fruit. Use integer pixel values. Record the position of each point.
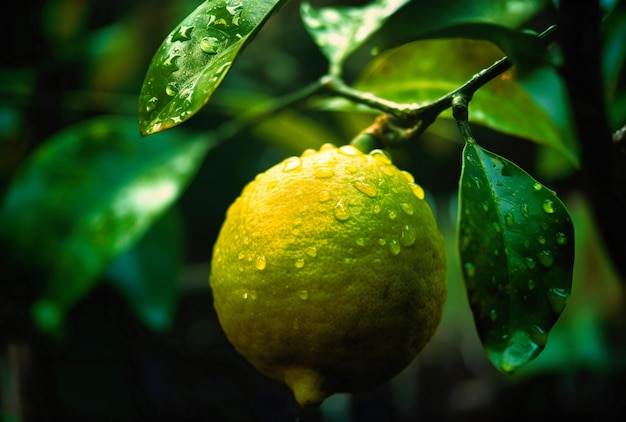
(329, 272)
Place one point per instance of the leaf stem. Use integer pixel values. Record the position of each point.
(460, 113)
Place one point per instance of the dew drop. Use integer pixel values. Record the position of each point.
(407, 208)
(291, 164)
(476, 181)
(546, 258)
(520, 350)
(548, 206)
(348, 150)
(537, 186)
(210, 45)
(408, 176)
(323, 173)
(303, 294)
(392, 215)
(260, 263)
(376, 209)
(485, 206)
(531, 284)
(366, 188)
(361, 241)
(509, 219)
(327, 147)
(253, 295)
(151, 104)
(382, 242)
(558, 299)
(524, 209)
(470, 269)
(171, 89)
(408, 235)
(541, 240)
(394, 247)
(323, 196)
(311, 251)
(245, 295)
(341, 211)
(183, 33)
(299, 263)
(561, 238)
(381, 155)
(387, 170)
(241, 255)
(530, 263)
(417, 190)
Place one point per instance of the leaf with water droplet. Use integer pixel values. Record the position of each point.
(195, 57)
(85, 196)
(527, 286)
(338, 31)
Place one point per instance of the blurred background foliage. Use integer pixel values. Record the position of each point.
(128, 332)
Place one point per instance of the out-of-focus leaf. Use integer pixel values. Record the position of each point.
(549, 92)
(498, 21)
(338, 31)
(148, 275)
(87, 194)
(424, 71)
(195, 57)
(614, 63)
(516, 245)
(289, 130)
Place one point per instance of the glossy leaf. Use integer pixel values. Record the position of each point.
(498, 21)
(148, 275)
(338, 31)
(195, 57)
(516, 246)
(86, 195)
(424, 71)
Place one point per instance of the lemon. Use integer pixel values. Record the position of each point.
(329, 272)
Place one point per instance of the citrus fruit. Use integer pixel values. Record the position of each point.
(328, 273)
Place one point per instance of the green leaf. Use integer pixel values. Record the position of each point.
(516, 245)
(614, 63)
(498, 21)
(86, 195)
(148, 275)
(423, 71)
(339, 31)
(195, 57)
